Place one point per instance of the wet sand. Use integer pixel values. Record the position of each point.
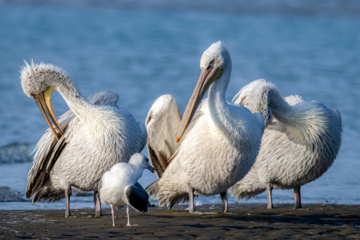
(246, 221)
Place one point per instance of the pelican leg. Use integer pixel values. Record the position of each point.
(113, 214)
(297, 197)
(269, 189)
(97, 203)
(67, 200)
(224, 202)
(192, 205)
(191, 200)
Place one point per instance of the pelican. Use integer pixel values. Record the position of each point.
(300, 142)
(119, 187)
(211, 147)
(93, 136)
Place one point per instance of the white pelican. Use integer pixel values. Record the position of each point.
(299, 144)
(92, 138)
(119, 187)
(219, 145)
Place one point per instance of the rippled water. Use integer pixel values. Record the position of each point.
(142, 51)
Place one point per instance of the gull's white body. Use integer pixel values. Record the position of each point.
(116, 183)
(299, 143)
(217, 149)
(113, 184)
(97, 136)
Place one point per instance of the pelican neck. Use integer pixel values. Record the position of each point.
(218, 106)
(73, 98)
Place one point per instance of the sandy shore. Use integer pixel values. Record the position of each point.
(246, 221)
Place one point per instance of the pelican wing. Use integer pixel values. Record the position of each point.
(48, 149)
(43, 160)
(103, 98)
(162, 123)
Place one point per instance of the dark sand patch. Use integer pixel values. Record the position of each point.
(246, 221)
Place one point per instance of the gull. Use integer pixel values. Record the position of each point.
(119, 187)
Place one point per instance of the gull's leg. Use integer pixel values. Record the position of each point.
(67, 200)
(224, 202)
(113, 214)
(128, 216)
(297, 198)
(97, 203)
(269, 189)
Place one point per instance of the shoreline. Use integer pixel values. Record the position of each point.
(245, 221)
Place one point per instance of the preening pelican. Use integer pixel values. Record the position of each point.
(89, 139)
(217, 144)
(299, 144)
(119, 187)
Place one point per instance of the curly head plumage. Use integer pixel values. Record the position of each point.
(36, 78)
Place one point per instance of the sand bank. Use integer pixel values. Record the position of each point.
(246, 221)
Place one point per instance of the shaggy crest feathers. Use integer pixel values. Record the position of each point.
(255, 97)
(35, 78)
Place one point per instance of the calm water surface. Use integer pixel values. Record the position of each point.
(144, 52)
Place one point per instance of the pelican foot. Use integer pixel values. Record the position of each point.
(204, 213)
(306, 209)
(93, 216)
(98, 215)
(227, 213)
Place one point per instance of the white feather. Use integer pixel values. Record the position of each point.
(299, 144)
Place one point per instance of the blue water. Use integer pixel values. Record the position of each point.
(143, 50)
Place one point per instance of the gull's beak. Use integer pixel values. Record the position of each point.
(150, 168)
(207, 77)
(43, 100)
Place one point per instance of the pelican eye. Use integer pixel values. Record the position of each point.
(211, 64)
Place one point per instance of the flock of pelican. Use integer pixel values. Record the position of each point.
(258, 142)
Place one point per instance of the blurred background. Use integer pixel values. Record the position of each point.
(143, 49)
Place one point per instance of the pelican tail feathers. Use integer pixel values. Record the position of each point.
(168, 194)
(47, 193)
(248, 187)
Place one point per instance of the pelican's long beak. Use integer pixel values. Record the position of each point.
(207, 77)
(43, 100)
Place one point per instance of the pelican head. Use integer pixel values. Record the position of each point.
(214, 62)
(40, 86)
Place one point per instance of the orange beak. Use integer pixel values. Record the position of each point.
(207, 77)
